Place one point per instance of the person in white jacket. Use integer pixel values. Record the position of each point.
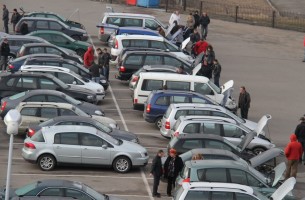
(175, 17)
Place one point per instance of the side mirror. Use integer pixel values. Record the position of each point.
(104, 146)
(74, 82)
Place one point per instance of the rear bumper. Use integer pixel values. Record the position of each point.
(123, 76)
(103, 37)
(139, 162)
(149, 118)
(165, 132)
(28, 156)
(138, 106)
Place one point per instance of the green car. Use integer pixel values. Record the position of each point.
(62, 40)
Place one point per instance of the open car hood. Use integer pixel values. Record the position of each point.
(262, 123)
(196, 69)
(246, 140)
(185, 42)
(227, 86)
(265, 156)
(284, 189)
(169, 29)
(278, 172)
(226, 96)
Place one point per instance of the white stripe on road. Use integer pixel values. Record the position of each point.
(136, 121)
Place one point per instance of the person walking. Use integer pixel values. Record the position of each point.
(209, 55)
(105, 63)
(197, 18)
(24, 28)
(175, 17)
(204, 22)
(293, 152)
(5, 52)
(157, 171)
(200, 46)
(15, 18)
(300, 133)
(244, 101)
(216, 71)
(172, 166)
(89, 57)
(5, 18)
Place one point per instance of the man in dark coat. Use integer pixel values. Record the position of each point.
(15, 18)
(216, 72)
(300, 133)
(172, 166)
(197, 18)
(244, 102)
(24, 28)
(157, 172)
(95, 72)
(204, 22)
(5, 52)
(105, 63)
(5, 18)
(206, 70)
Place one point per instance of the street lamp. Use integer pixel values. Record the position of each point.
(12, 120)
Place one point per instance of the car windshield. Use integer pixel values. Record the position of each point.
(215, 87)
(257, 174)
(160, 23)
(93, 193)
(25, 189)
(72, 100)
(46, 123)
(60, 83)
(17, 96)
(235, 117)
(102, 127)
(108, 138)
(79, 112)
(231, 145)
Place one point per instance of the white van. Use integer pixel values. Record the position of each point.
(155, 81)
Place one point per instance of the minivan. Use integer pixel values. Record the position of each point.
(200, 84)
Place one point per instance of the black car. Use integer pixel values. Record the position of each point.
(129, 49)
(84, 121)
(12, 102)
(65, 63)
(13, 83)
(35, 48)
(58, 188)
(134, 60)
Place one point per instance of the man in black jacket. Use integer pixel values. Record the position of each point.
(216, 72)
(300, 133)
(15, 18)
(5, 52)
(244, 102)
(5, 18)
(197, 18)
(204, 22)
(157, 172)
(172, 166)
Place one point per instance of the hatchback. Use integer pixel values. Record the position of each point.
(82, 145)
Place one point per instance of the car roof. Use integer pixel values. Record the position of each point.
(23, 37)
(111, 14)
(206, 151)
(39, 18)
(55, 58)
(199, 164)
(43, 12)
(33, 74)
(40, 55)
(180, 77)
(58, 182)
(48, 31)
(159, 67)
(139, 37)
(199, 136)
(67, 128)
(137, 29)
(175, 91)
(206, 118)
(39, 44)
(46, 68)
(42, 104)
(225, 186)
(73, 118)
(196, 106)
(44, 91)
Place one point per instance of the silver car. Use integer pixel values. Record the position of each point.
(81, 145)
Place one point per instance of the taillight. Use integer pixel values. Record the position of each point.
(3, 105)
(122, 69)
(116, 46)
(31, 132)
(148, 108)
(167, 125)
(135, 101)
(187, 180)
(11, 66)
(102, 30)
(176, 134)
(135, 79)
(29, 145)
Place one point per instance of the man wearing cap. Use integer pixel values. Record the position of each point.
(5, 52)
(172, 166)
(157, 172)
(300, 133)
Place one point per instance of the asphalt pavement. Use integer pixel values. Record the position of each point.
(267, 61)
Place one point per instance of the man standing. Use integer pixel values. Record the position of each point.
(89, 57)
(200, 46)
(5, 18)
(216, 72)
(197, 18)
(5, 52)
(293, 152)
(157, 171)
(244, 102)
(300, 133)
(105, 63)
(15, 18)
(204, 22)
(175, 17)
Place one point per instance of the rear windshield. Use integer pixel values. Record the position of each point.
(168, 112)
(177, 124)
(17, 96)
(38, 137)
(150, 85)
(25, 189)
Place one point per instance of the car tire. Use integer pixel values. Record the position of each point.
(46, 162)
(80, 52)
(122, 164)
(258, 150)
(76, 37)
(158, 122)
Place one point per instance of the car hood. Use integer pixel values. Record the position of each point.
(226, 96)
(91, 109)
(132, 147)
(227, 86)
(265, 156)
(105, 120)
(82, 43)
(185, 42)
(81, 89)
(278, 173)
(124, 135)
(284, 189)
(250, 124)
(246, 140)
(262, 123)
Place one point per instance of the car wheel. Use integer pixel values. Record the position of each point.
(258, 150)
(122, 164)
(158, 122)
(46, 162)
(80, 52)
(76, 37)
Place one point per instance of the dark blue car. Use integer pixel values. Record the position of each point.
(159, 100)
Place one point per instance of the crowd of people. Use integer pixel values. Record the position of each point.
(16, 16)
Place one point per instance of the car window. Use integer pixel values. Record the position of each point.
(10, 82)
(171, 48)
(212, 175)
(29, 111)
(203, 88)
(53, 98)
(66, 78)
(52, 50)
(66, 112)
(232, 131)
(192, 128)
(134, 60)
(36, 50)
(36, 98)
(179, 99)
(139, 43)
(55, 26)
(39, 15)
(51, 192)
(222, 195)
(48, 112)
(27, 82)
(151, 24)
(59, 38)
(220, 114)
(192, 144)
(42, 25)
(199, 112)
(153, 60)
(197, 195)
(213, 144)
(66, 138)
(238, 176)
(163, 101)
(92, 140)
(199, 100)
(243, 196)
(211, 128)
(252, 181)
(114, 20)
(132, 22)
(178, 85)
(47, 84)
(158, 45)
(172, 61)
(149, 85)
(71, 67)
(180, 113)
(77, 194)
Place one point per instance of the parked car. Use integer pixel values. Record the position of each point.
(68, 77)
(37, 112)
(45, 95)
(55, 16)
(84, 121)
(62, 40)
(128, 49)
(123, 41)
(159, 100)
(126, 20)
(58, 188)
(37, 48)
(16, 41)
(82, 145)
(134, 60)
(41, 23)
(13, 83)
(225, 127)
(65, 63)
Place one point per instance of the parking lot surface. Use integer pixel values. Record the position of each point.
(267, 61)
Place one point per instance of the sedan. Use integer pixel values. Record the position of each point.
(82, 145)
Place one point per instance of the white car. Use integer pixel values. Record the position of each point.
(145, 41)
(68, 77)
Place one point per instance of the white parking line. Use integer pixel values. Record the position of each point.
(131, 121)
(126, 128)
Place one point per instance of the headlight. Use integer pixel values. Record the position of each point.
(90, 97)
(103, 81)
(113, 125)
(97, 112)
(136, 140)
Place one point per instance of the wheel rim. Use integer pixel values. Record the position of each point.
(122, 165)
(46, 163)
(159, 123)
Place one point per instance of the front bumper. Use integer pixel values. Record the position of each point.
(100, 97)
